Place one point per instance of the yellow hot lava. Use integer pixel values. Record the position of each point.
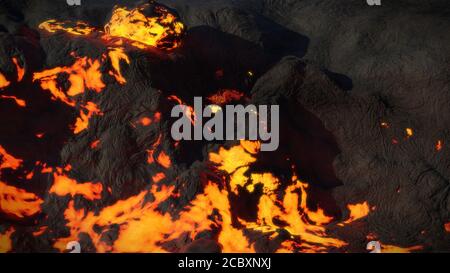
(162, 31)
(3, 81)
(143, 227)
(63, 185)
(357, 211)
(78, 28)
(84, 73)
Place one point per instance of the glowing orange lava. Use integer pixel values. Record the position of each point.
(164, 160)
(357, 211)
(82, 122)
(117, 55)
(18, 101)
(64, 185)
(145, 121)
(84, 73)
(396, 249)
(447, 227)
(158, 177)
(95, 143)
(162, 30)
(3, 81)
(18, 202)
(5, 240)
(409, 132)
(20, 69)
(8, 161)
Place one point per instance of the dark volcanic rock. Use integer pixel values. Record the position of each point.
(337, 69)
(405, 182)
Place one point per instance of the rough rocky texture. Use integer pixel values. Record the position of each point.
(393, 62)
(337, 69)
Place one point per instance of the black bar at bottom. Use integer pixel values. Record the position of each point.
(221, 262)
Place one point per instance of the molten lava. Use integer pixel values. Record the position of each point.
(300, 221)
(141, 221)
(78, 28)
(3, 81)
(164, 160)
(357, 211)
(19, 68)
(63, 185)
(5, 240)
(17, 202)
(161, 30)
(8, 161)
(117, 55)
(84, 73)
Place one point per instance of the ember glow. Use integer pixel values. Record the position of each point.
(396, 249)
(95, 143)
(302, 222)
(117, 55)
(162, 30)
(145, 121)
(82, 122)
(225, 96)
(409, 132)
(384, 125)
(164, 160)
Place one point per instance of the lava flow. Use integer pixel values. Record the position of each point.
(3, 81)
(177, 204)
(161, 30)
(16, 202)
